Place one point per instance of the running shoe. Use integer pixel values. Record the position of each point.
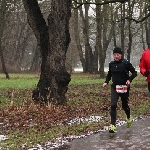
(112, 129)
(129, 122)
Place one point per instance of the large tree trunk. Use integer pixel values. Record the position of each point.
(53, 41)
(59, 41)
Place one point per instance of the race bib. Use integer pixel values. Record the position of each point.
(121, 88)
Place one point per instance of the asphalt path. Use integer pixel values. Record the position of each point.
(135, 138)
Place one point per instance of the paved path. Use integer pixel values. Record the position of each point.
(135, 138)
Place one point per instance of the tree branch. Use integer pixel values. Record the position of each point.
(99, 3)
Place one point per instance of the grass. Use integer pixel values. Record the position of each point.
(18, 81)
(77, 79)
(29, 124)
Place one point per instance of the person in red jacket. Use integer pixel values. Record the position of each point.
(145, 66)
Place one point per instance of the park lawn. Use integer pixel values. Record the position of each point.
(26, 123)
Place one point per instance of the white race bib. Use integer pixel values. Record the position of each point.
(121, 88)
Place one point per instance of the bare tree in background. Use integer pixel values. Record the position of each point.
(3, 11)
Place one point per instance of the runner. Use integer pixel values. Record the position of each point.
(119, 72)
(145, 65)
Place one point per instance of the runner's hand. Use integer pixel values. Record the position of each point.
(105, 84)
(127, 82)
(146, 73)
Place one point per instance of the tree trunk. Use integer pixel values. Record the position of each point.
(53, 41)
(3, 11)
(147, 28)
(104, 34)
(122, 27)
(130, 13)
(88, 49)
(77, 38)
(99, 36)
(59, 41)
(3, 62)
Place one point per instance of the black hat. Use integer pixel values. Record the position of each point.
(117, 50)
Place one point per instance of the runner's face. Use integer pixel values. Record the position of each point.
(117, 56)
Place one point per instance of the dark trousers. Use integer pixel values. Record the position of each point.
(149, 86)
(114, 100)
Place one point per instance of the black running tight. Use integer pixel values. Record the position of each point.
(114, 100)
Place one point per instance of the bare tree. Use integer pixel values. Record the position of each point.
(147, 25)
(130, 35)
(3, 11)
(53, 40)
(104, 33)
(77, 36)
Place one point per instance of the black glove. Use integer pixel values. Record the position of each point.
(146, 73)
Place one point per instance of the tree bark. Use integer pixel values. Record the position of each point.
(59, 41)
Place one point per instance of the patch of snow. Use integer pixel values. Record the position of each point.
(2, 137)
(85, 119)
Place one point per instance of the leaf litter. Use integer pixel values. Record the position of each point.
(84, 104)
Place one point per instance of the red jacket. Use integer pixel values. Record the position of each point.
(145, 63)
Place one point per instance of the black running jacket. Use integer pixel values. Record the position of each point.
(120, 72)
